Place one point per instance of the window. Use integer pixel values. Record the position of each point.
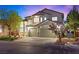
(29, 22)
(54, 18)
(0, 28)
(36, 19)
(45, 18)
(41, 19)
(25, 22)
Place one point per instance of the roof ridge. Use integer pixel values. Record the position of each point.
(52, 10)
(47, 9)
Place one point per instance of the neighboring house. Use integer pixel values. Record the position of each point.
(37, 25)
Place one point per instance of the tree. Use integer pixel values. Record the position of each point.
(73, 19)
(57, 29)
(3, 17)
(10, 19)
(13, 22)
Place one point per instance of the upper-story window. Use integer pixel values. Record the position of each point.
(36, 19)
(41, 19)
(29, 22)
(54, 18)
(45, 18)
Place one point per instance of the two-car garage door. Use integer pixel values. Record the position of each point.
(35, 32)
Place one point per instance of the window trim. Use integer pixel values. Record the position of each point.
(36, 17)
(45, 18)
(54, 18)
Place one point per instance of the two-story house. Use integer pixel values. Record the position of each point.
(37, 25)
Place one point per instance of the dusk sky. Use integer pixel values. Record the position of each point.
(27, 10)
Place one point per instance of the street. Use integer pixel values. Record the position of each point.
(36, 46)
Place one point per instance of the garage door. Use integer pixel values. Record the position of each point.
(46, 33)
(41, 33)
(33, 32)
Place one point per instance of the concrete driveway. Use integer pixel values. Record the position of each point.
(34, 45)
(24, 45)
(36, 39)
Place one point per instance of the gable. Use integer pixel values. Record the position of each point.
(49, 12)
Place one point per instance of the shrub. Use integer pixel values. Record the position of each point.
(7, 38)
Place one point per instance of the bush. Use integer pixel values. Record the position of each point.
(7, 38)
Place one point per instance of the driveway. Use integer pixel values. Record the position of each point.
(36, 39)
(34, 45)
(24, 45)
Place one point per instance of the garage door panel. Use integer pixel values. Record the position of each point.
(46, 33)
(33, 33)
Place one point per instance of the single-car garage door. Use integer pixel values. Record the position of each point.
(33, 32)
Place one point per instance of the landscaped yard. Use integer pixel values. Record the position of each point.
(7, 38)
